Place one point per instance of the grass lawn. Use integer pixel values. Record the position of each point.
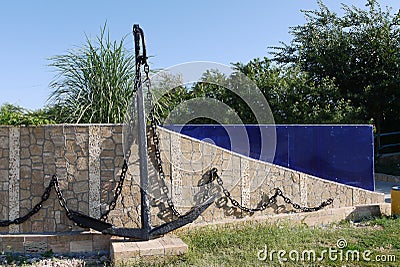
(289, 244)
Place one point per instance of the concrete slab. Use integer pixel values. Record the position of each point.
(63, 243)
(124, 252)
(385, 187)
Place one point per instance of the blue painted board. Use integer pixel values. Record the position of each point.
(341, 153)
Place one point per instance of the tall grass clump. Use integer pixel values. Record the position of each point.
(93, 83)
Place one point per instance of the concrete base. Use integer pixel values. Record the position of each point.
(64, 243)
(156, 250)
(321, 217)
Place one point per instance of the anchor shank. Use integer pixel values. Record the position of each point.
(144, 171)
(142, 142)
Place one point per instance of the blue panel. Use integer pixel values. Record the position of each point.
(338, 153)
(282, 146)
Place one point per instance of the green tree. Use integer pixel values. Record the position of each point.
(359, 52)
(94, 83)
(169, 92)
(16, 115)
(218, 86)
(291, 94)
(296, 98)
(180, 103)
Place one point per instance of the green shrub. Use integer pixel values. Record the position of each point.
(16, 115)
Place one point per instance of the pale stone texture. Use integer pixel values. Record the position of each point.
(4, 173)
(177, 158)
(246, 181)
(94, 171)
(14, 181)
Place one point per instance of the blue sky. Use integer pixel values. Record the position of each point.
(176, 32)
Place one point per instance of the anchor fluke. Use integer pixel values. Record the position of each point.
(146, 234)
(88, 222)
(187, 218)
(136, 233)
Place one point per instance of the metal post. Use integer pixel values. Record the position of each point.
(142, 142)
(144, 171)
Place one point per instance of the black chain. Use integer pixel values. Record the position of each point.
(117, 192)
(61, 199)
(63, 203)
(160, 169)
(35, 209)
(156, 142)
(265, 204)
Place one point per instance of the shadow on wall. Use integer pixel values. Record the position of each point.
(207, 189)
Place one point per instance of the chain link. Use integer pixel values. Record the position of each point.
(34, 210)
(61, 199)
(156, 142)
(117, 192)
(63, 203)
(265, 204)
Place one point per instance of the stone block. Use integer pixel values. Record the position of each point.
(108, 144)
(82, 176)
(82, 164)
(24, 194)
(13, 247)
(153, 250)
(81, 246)
(4, 131)
(33, 247)
(119, 151)
(107, 153)
(48, 146)
(3, 163)
(186, 146)
(58, 244)
(4, 152)
(173, 246)
(106, 132)
(49, 224)
(3, 176)
(107, 164)
(49, 169)
(25, 227)
(123, 251)
(37, 175)
(36, 150)
(83, 207)
(71, 157)
(80, 186)
(117, 136)
(101, 243)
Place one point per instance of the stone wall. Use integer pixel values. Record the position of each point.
(88, 160)
(248, 180)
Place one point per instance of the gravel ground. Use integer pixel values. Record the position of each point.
(53, 260)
